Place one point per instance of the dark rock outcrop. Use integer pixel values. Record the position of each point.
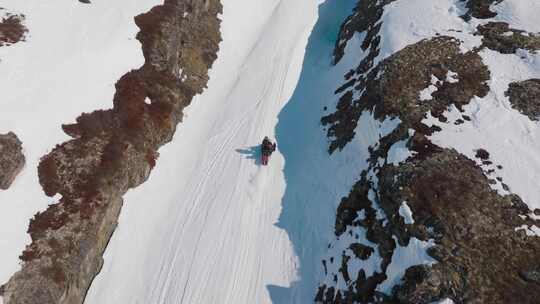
(425, 284)
(12, 29)
(531, 274)
(365, 18)
(361, 251)
(525, 97)
(479, 9)
(498, 36)
(11, 159)
(112, 151)
(403, 76)
(480, 255)
(474, 227)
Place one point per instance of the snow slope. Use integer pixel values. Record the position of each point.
(202, 229)
(72, 56)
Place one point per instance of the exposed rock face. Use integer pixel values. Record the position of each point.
(480, 9)
(479, 254)
(531, 275)
(365, 18)
(112, 151)
(396, 94)
(423, 284)
(11, 159)
(498, 36)
(404, 75)
(12, 29)
(450, 196)
(525, 97)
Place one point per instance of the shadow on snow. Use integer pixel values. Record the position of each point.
(252, 153)
(308, 204)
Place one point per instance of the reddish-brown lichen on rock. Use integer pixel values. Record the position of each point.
(112, 151)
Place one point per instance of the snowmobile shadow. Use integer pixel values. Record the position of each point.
(309, 200)
(253, 153)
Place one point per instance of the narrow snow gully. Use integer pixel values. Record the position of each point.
(313, 188)
(213, 226)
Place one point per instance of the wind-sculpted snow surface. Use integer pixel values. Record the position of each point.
(461, 81)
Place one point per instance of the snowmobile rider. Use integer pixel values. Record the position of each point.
(267, 146)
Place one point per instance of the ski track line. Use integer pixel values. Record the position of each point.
(216, 157)
(268, 89)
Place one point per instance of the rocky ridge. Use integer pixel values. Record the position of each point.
(471, 232)
(112, 151)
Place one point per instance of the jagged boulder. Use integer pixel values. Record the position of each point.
(11, 159)
(479, 9)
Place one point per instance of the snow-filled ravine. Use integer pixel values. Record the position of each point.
(72, 56)
(211, 225)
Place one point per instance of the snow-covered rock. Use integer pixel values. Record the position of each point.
(446, 178)
(11, 159)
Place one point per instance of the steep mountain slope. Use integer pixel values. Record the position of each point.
(447, 209)
(406, 172)
(213, 233)
(111, 151)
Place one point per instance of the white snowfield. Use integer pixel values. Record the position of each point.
(511, 138)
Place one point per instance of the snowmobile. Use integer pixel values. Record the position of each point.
(267, 148)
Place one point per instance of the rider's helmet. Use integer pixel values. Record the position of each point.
(266, 138)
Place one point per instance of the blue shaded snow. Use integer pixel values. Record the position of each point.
(313, 189)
